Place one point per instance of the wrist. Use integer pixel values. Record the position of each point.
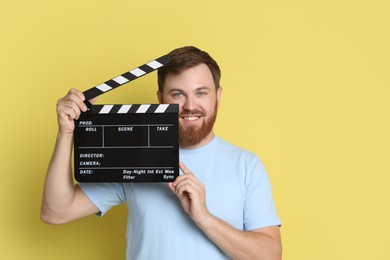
(206, 221)
(64, 136)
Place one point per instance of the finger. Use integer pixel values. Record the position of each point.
(66, 106)
(184, 168)
(78, 93)
(170, 185)
(186, 189)
(81, 96)
(187, 178)
(181, 179)
(71, 102)
(93, 100)
(78, 98)
(193, 192)
(189, 184)
(69, 112)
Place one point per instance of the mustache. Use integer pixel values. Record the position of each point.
(187, 112)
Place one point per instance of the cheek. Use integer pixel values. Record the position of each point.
(174, 101)
(168, 100)
(210, 106)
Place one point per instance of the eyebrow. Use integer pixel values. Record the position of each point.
(181, 90)
(174, 89)
(202, 88)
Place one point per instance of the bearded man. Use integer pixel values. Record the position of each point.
(220, 207)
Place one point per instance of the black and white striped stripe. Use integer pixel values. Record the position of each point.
(126, 77)
(135, 109)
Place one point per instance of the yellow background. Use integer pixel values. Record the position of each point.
(306, 86)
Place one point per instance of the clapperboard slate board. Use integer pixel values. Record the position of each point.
(127, 143)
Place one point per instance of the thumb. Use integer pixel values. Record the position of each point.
(93, 100)
(171, 186)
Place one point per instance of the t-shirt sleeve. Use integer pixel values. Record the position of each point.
(104, 195)
(259, 209)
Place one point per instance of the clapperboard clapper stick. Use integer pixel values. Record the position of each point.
(124, 78)
(127, 142)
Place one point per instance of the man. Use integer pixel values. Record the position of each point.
(220, 207)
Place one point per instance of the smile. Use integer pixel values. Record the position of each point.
(190, 118)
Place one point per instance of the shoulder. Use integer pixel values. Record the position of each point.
(234, 150)
(245, 160)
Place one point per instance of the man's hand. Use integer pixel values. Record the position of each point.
(262, 243)
(192, 194)
(68, 109)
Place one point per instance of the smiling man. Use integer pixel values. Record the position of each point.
(193, 89)
(220, 207)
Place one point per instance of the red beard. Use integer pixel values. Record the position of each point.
(193, 135)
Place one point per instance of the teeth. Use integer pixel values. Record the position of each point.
(191, 118)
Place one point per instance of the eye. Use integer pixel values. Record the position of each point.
(177, 94)
(202, 93)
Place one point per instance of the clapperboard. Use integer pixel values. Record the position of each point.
(127, 143)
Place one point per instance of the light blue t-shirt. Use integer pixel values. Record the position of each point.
(237, 191)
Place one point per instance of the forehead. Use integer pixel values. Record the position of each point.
(196, 77)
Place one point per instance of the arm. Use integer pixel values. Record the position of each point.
(62, 200)
(264, 243)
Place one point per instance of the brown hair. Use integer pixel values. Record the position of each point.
(184, 58)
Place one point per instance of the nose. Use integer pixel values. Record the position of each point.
(189, 103)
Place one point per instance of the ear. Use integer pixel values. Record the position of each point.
(219, 95)
(160, 97)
